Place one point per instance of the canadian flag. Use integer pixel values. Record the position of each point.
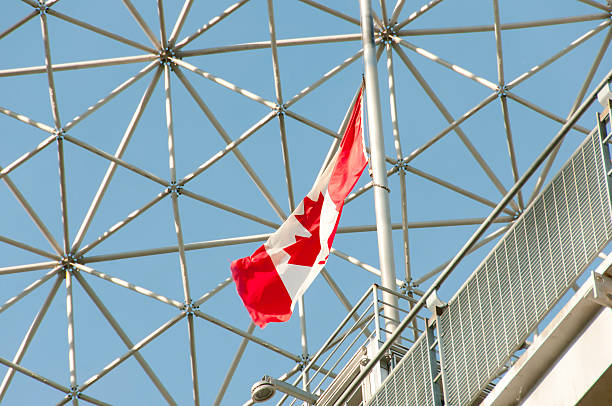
(275, 276)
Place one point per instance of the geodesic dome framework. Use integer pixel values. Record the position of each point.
(196, 127)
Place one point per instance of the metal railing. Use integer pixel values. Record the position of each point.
(358, 336)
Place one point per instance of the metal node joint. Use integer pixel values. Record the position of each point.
(74, 392)
(388, 34)
(175, 188)
(189, 308)
(280, 109)
(502, 91)
(42, 8)
(67, 260)
(400, 165)
(408, 287)
(59, 134)
(166, 55)
(304, 360)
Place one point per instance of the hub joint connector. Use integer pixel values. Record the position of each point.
(189, 308)
(304, 361)
(175, 188)
(280, 109)
(166, 55)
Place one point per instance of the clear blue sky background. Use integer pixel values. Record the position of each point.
(554, 89)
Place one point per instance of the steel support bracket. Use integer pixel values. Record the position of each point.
(602, 289)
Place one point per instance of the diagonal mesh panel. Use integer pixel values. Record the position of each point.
(411, 381)
(525, 275)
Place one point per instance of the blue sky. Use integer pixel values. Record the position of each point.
(554, 89)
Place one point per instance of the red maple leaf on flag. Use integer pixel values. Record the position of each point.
(304, 250)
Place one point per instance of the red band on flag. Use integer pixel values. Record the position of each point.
(261, 289)
(351, 160)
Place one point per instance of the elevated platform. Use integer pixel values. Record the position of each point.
(570, 362)
(488, 322)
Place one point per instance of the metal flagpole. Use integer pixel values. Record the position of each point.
(379, 173)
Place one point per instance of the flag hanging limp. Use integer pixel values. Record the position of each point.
(275, 276)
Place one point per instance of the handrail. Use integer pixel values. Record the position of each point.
(325, 346)
(335, 349)
(367, 310)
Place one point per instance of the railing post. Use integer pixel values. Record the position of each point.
(376, 321)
